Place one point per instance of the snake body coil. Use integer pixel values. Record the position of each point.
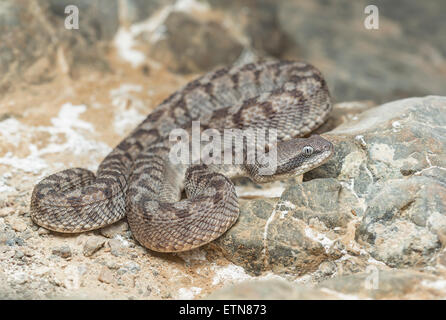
(138, 180)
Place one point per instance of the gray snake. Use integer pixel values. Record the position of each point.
(138, 180)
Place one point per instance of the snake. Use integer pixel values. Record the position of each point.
(173, 207)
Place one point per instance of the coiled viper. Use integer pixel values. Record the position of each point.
(136, 179)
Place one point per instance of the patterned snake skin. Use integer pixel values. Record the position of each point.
(137, 179)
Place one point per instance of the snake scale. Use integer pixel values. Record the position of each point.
(137, 179)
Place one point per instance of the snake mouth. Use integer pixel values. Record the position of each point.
(300, 163)
(316, 162)
(304, 168)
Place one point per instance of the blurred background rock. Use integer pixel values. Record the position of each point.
(404, 57)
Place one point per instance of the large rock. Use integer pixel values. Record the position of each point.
(134, 11)
(269, 290)
(18, 49)
(293, 236)
(98, 19)
(385, 185)
(260, 24)
(405, 223)
(403, 58)
(392, 158)
(391, 284)
(373, 284)
(190, 45)
(35, 45)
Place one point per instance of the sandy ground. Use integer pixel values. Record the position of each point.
(75, 123)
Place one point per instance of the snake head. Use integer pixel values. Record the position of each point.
(291, 158)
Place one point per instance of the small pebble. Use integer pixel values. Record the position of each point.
(18, 254)
(92, 245)
(116, 247)
(82, 269)
(16, 224)
(121, 271)
(106, 276)
(26, 235)
(20, 278)
(15, 241)
(6, 235)
(42, 231)
(132, 267)
(117, 228)
(6, 211)
(64, 252)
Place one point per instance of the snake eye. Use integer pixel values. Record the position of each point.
(307, 150)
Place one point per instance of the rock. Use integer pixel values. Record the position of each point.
(243, 243)
(347, 53)
(132, 267)
(134, 11)
(27, 234)
(390, 284)
(9, 14)
(6, 211)
(375, 284)
(441, 261)
(126, 280)
(343, 113)
(291, 236)
(6, 235)
(122, 271)
(264, 31)
(38, 58)
(63, 252)
(20, 278)
(116, 247)
(42, 231)
(260, 24)
(399, 186)
(9, 237)
(106, 276)
(118, 228)
(190, 45)
(16, 224)
(394, 190)
(402, 223)
(15, 241)
(92, 245)
(99, 16)
(19, 254)
(268, 290)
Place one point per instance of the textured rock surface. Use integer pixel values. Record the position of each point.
(98, 19)
(405, 223)
(393, 160)
(385, 184)
(190, 45)
(293, 235)
(386, 285)
(381, 285)
(134, 11)
(363, 63)
(405, 57)
(35, 45)
(269, 289)
(370, 223)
